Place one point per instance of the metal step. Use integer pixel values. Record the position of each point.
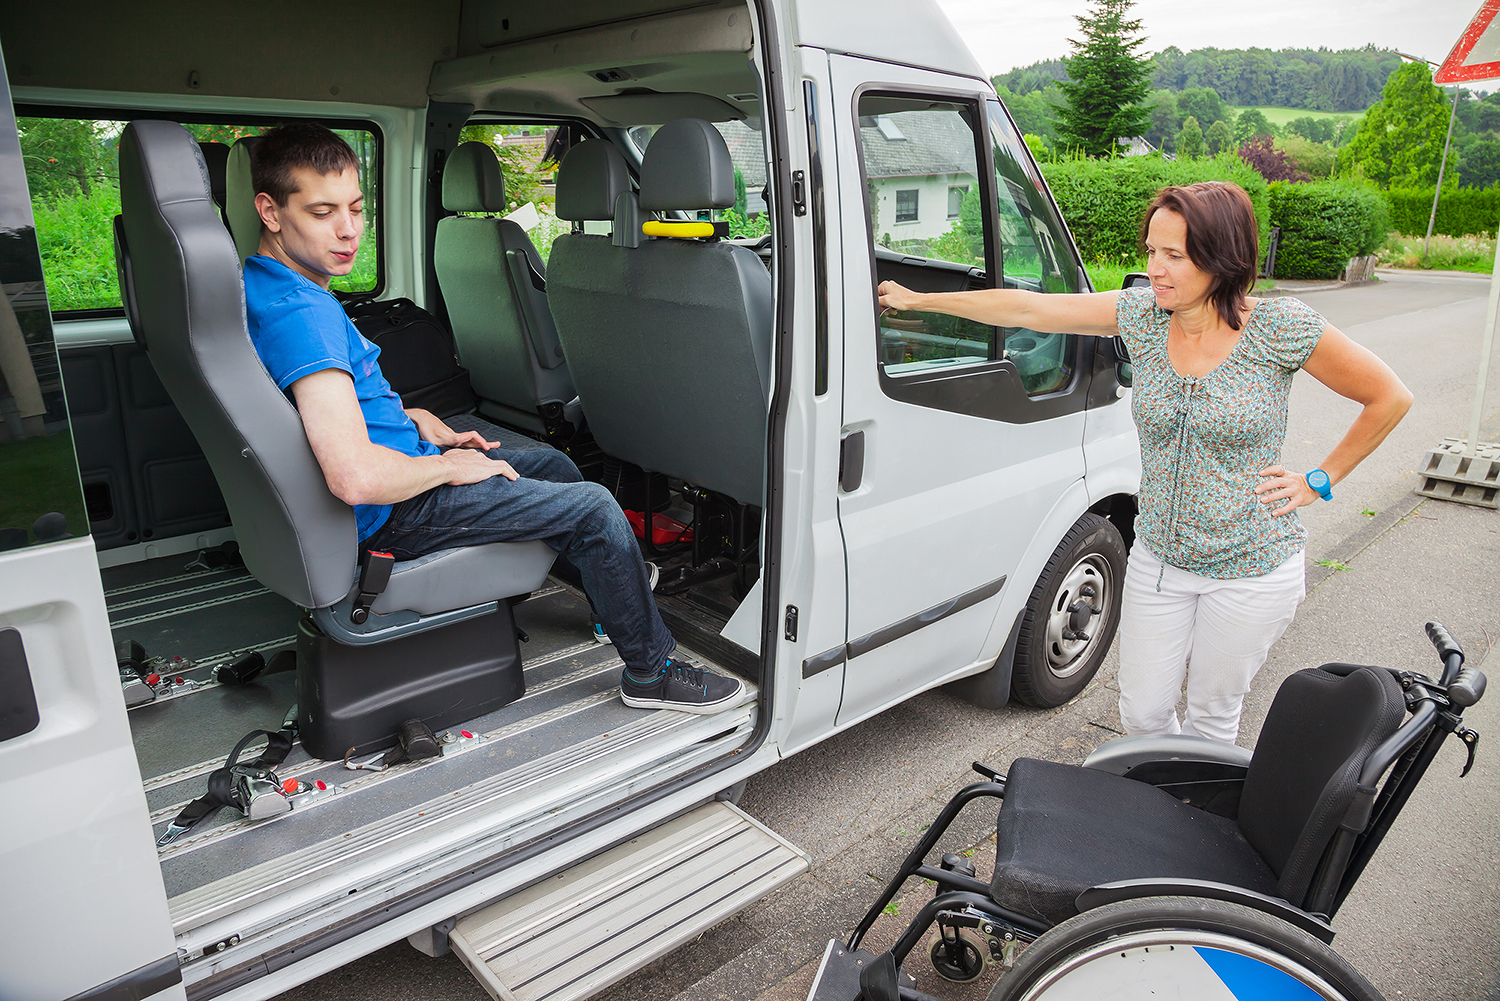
(576, 933)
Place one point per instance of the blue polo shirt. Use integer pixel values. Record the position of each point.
(299, 328)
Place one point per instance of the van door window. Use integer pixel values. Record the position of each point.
(911, 148)
(1036, 255)
(73, 172)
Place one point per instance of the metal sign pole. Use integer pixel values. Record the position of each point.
(1484, 351)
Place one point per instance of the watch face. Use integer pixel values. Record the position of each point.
(1317, 479)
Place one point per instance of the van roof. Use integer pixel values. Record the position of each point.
(486, 52)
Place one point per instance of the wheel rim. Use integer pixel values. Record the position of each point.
(1072, 616)
(1144, 962)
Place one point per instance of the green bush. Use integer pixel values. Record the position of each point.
(1104, 201)
(1461, 211)
(76, 237)
(1325, 223)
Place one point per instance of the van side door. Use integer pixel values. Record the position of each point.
(965, 436)
(85, 910)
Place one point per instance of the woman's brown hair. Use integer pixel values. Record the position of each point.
(1222, 239)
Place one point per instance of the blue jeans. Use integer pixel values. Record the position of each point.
(551, 502)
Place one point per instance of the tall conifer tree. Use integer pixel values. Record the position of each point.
(1109, 80)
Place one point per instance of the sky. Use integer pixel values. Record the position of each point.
(1006, 35)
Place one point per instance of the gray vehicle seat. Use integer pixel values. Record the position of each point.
(494, 285)
(239, 198)
(669, 342)
(180, 274)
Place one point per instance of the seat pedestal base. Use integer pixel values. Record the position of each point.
(357, 696)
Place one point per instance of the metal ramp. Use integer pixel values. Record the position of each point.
(576, 933)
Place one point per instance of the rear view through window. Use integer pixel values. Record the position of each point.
(72, 169)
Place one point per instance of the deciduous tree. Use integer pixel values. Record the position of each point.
(1400, 139)
(1190, 140)
(1109, 80)
(1218, 138)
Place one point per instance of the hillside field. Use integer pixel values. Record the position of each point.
(1280, 116)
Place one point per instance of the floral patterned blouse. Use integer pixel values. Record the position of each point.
(1204, 439)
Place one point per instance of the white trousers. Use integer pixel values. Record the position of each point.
(1224, 628)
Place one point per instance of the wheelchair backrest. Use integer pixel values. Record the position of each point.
(1320, 730)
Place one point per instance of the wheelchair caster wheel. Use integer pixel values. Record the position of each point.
(959, 960)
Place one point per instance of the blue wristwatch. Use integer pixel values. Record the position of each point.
(1319, 481)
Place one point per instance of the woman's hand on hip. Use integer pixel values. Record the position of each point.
(1283, 491)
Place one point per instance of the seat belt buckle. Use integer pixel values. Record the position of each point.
(259, 792)
(374, 575)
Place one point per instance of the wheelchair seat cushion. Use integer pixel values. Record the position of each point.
(1063, 829)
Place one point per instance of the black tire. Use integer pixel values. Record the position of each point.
(1049, 669)
(1171, 921)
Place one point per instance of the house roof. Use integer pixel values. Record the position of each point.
(916, 144)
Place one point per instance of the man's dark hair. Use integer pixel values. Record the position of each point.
(1222, 239)
(287, 147)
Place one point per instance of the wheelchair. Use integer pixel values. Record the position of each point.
(1179, 866)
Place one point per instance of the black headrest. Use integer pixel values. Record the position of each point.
(589, 179)
(687, 166)
(472, 181)
(216, 159)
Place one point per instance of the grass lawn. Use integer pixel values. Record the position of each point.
(1280, 116)
(37, 476)
(1474, 253)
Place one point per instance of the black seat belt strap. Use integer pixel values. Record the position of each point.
(243, 786)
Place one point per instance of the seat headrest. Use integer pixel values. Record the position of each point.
(589, 179)
(216, 157)
(239, 198)
(472, 181)
(687, 166)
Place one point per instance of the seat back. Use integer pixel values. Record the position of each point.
(239, 198)
(493, 284)
(669, 342)
(180, 274)
(1304, 774)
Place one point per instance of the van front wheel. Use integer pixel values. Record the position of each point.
(1072, 615)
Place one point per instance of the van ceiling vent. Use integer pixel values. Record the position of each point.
(745, 98)
(612, 75)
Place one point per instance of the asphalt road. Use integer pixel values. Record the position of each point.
(1424, 922)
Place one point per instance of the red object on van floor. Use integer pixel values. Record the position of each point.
(664, 530)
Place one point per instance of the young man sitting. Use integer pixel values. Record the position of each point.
(416, 485)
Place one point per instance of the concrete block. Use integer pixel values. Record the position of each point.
(1447, 474)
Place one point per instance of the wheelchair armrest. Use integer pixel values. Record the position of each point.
(1132, 889)
(1120, 755)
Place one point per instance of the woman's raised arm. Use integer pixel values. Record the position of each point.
(1047, 313)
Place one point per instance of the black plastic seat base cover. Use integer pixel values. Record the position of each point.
(358, 696)
(1063, 829)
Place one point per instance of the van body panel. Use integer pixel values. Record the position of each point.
(948, 502)
(882, 30)
(76, 850)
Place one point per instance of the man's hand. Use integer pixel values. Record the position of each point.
(431, 428)
(474, 467)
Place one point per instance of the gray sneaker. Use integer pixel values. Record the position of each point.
(682, 686)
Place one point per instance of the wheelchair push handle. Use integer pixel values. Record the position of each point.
(1447, 647)
(1467, 688)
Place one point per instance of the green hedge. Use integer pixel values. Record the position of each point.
(1324, 224)
(1461, 211)
(1104, 201)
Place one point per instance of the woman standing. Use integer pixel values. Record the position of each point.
(1216, 572)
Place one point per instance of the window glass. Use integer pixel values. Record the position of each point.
(72, 168)
(917, 155)
(1035, 255)
(40, 497)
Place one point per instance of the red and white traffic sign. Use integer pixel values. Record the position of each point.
(1476, 56)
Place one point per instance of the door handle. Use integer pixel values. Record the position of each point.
(18, 708)
(851, 461)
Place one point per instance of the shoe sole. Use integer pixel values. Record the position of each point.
(703, 708)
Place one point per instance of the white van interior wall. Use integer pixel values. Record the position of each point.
(383, 55)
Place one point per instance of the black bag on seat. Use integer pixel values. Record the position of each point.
(418, 356)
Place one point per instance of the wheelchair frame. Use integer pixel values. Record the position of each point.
(961, 900)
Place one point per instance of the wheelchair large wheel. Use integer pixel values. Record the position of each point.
(1187, 947)
(1071, 616)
